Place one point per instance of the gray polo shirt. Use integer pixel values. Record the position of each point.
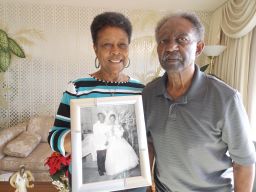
(191, 136)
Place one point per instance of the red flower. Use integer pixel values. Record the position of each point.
(57, 162)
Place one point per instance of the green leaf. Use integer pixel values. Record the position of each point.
(203, 68)
(15, 48)
(3, 40)
(57, 175)
(5, 59)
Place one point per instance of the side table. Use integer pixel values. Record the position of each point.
(38, 187)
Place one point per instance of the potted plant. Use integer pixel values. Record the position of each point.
(8, 46)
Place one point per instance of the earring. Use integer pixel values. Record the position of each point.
(95, 63)
(128, 64)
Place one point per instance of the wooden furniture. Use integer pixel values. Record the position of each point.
(39, 187)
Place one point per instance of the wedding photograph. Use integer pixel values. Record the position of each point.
(109, 146)
(109, 143)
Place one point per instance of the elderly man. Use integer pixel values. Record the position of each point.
(196, 123)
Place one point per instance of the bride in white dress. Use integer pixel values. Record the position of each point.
(120, 155)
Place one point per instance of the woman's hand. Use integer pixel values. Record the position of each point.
(67, 143)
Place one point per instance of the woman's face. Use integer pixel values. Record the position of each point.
(111, 48)
(112, 118)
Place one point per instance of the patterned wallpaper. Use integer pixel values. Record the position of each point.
(57, 41)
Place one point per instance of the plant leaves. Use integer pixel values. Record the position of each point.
(5, 59)
(203, 68)
(3, 40)
(15, 48)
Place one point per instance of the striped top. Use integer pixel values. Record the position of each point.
(87, 87)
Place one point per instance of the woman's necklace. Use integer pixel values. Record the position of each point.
(112, 91)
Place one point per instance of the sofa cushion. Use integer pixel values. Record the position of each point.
(8, 134)
(34, 162)
(22, 145)
(41, 125)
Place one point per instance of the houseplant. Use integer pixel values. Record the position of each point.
(58, 169)
(8, 46)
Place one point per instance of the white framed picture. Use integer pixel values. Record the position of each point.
(109, 144)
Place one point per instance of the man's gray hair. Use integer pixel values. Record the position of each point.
(190, 16)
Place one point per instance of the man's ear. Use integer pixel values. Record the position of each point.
(199, 47)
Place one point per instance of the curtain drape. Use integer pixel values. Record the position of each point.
(235, 18)
(252, 84)
(233, 65)
(239, 17)
(236, 66)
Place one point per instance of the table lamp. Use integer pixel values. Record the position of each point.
(211, 51)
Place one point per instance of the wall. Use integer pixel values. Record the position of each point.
(59, 48)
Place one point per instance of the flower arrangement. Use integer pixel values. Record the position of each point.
(58, 169)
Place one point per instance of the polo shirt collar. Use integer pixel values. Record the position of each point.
(198, 86)
(196, 90)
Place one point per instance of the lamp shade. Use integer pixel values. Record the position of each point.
(213, 50)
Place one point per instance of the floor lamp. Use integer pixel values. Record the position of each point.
(212, 51)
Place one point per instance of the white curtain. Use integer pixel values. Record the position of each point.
(239, 17)
(252, 84)
(233, 64)
(236, 66)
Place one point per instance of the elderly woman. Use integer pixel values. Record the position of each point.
(111, 35)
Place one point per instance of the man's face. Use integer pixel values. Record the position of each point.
(178, 44)
(101, 117)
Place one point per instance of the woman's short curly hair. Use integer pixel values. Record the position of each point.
(110, 19)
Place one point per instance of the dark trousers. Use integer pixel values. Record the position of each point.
(101, 158)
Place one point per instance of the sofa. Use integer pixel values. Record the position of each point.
(26, 144)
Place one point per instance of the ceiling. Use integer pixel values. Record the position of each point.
(199, 5)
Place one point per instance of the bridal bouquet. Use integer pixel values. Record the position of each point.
(58, 169)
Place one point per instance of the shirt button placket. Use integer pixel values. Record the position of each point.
(172, 111)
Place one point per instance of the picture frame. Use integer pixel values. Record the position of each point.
(109, 144)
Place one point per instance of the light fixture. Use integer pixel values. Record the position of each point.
(211, 51)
